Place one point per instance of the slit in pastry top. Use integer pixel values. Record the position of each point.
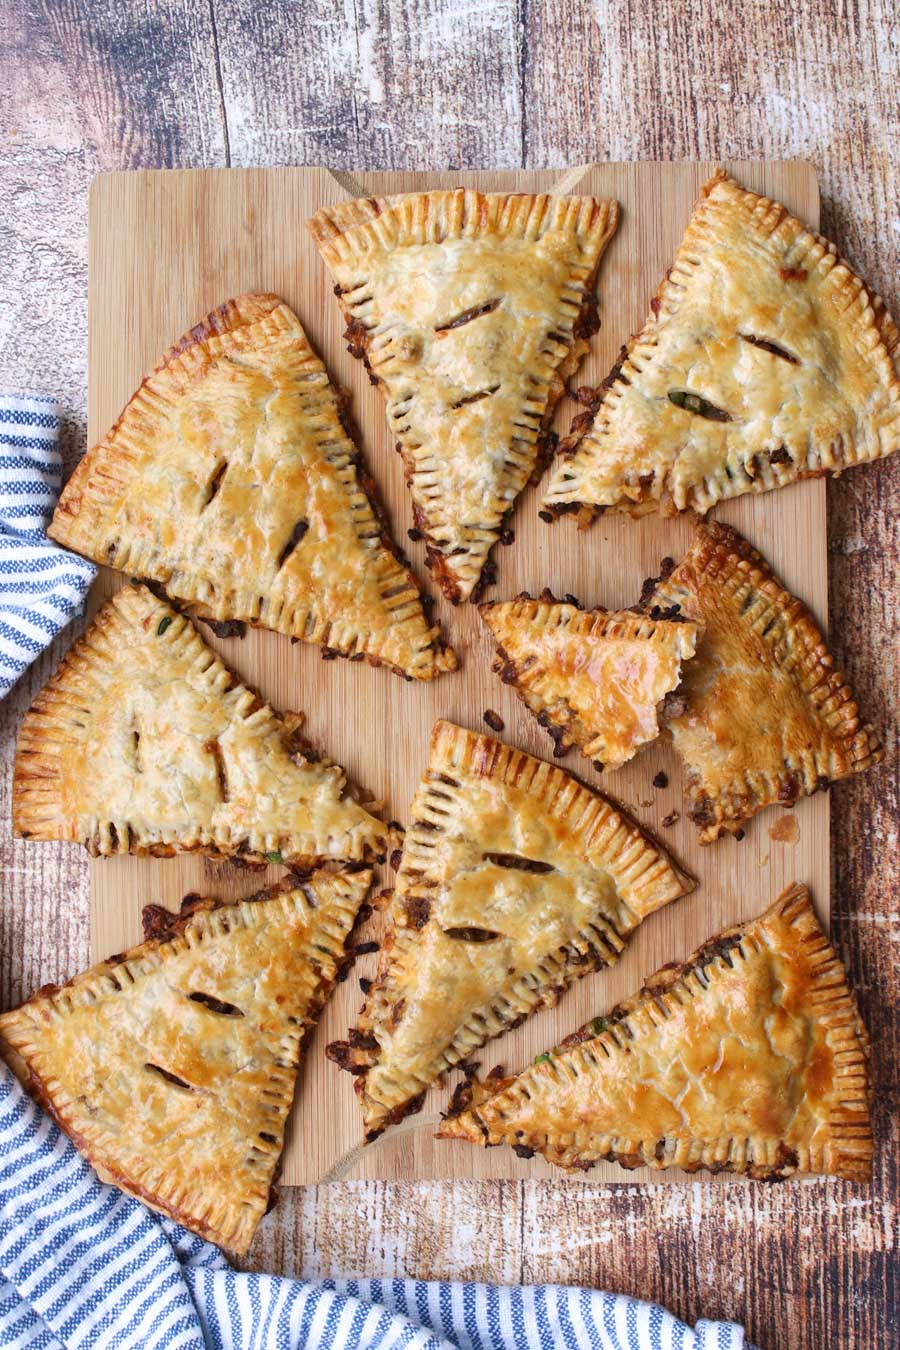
(515, 881)
(231, 480)
(471, 311)
(764, 359)
(751, 1057)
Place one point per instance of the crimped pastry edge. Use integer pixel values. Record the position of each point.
(233, 1225)
(847, 1154)
(722, 555)
(873, 328)
(656, 880)
(52, 721)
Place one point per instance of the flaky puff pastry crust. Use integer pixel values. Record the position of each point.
(515, 881)
(764, 359)
(593, 678)
(172, 1067)
(764, 716)
(144, 742)
(230, 479)
(471, 310)
(751, 1058)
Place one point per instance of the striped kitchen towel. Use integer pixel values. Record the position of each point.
(85, 1266)
(42, 586)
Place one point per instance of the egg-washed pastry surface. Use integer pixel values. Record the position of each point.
(230, 479)
(764, 359)
(172, 1067)
(749, 1058)
(471, 310)
(144, 742)
(764, 716)
(515, 880)
(593, 678)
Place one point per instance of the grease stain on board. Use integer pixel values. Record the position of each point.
(785, 830)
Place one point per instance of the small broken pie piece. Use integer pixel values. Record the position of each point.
(230, 479)
(144, 742)
(471, 311)
(751, 1057)
(763, 717)
(515, 881)
(172, 1066)
(593, 678)
(764, 359)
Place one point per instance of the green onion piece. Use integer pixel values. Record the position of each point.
(274, 856)
(542, 1059)
(163, 625)
(599, 1024)
(693, 403)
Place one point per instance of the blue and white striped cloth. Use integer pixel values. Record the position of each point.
(42, 586)
(85, 1266)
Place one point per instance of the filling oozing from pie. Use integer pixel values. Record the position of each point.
(762, 716)
(595, 678)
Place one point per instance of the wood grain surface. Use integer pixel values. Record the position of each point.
(165, 249)
(93, 85)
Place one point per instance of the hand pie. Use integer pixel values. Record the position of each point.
(764, 359)
(143, 742)
(749, 1058)
(515, 880)
(172, 1067)
(593, 678)
(230, 479)
(471, 311)
(764, 717)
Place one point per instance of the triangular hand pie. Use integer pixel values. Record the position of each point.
(764, 359)
(230, 479)
(593, 678)
(515, 881)
(143, 742)
(764, 717)
(172, 1066)
(471, 310)
(751, 1057)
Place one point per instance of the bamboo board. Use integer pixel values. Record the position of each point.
(165, 249)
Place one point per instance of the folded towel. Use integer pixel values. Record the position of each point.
(42, 587)
(85, 1266)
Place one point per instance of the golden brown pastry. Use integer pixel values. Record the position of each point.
(764, 359)
(230, 479)
(515, 880)
(471, 310)
(143, 742)
(751, 1057)
(593, 678)
(172, 1067)
(762, 717)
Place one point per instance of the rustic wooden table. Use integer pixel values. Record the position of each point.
(93, 85)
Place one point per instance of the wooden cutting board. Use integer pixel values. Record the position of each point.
(166, 248)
